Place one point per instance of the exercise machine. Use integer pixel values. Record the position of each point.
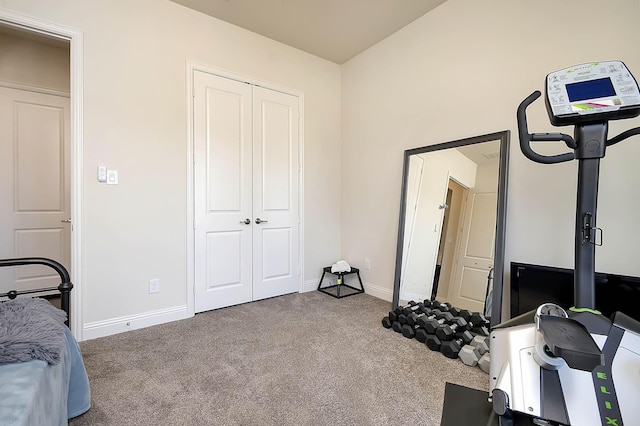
(573, 367)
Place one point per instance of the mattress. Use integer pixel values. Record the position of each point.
(37, 393)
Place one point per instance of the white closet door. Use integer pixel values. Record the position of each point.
(223, 186)
(34, 185)
(246, 192)
(275, 193)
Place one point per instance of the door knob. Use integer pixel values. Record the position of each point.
(246, 221)
(66, 220)
(259, 221)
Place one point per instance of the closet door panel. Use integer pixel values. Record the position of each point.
(222, 163)
(275, 193)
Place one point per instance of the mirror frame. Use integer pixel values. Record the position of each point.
(501, 218)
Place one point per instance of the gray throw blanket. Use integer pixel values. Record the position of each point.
(31, 329)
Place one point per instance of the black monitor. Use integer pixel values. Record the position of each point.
(532, 285)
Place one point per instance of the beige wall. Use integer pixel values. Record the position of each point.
(135, 121)
(461, 71)
(26, 61)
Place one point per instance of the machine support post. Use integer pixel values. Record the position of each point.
(591, 141)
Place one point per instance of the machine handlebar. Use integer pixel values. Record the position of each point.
(526, 138)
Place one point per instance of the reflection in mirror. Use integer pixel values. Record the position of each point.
(452, 216)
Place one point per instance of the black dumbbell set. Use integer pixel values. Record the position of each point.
(456, 333)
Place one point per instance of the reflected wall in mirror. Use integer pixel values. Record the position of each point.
(452, 219)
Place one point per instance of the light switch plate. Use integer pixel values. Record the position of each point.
(154, 286)
(112, 177)
(102, 173)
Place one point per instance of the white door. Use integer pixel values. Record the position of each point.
(246, 192)
(275, 193)
(476, 252)
(223, 191)
(453, 229)
(34, 185)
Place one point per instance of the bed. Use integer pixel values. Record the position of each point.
(43, 380)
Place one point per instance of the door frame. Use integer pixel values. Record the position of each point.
(191, 67)
(74, 37)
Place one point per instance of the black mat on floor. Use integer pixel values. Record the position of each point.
(464, 406)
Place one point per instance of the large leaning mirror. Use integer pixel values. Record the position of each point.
(452, 223)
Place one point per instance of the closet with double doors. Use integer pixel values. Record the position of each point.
(246, 192)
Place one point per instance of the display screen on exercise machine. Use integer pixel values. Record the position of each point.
(591, 89)
(593, 92)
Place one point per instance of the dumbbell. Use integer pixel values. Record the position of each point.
(464, 313)
(413, 328)
(412, 319)
(485, 362)
(433, 342)
(405, 312)
(425, 320)
(408, 310)
(431, 325)
(399, 309)
(442, 306)
(409, 331)
(421, 335)
(478, 320)
(480, 323)
(448, 331)
(472, 353)
(482, 343)
(393, 316)
(469, 355)
(451, 348)
(396, 326)
(386, 322)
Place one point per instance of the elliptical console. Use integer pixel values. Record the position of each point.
(599, 91)
(574, 367)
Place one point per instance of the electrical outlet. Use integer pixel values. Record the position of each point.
(367, 264)
(154, 286)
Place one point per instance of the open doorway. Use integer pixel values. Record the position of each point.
(41, 83)
(34, 156)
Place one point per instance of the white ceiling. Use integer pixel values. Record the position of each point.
(336, 30)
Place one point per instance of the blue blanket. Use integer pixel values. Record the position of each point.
(39, 393)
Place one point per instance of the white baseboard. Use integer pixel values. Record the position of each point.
(310, 285)
(379, 292)
(94, 330)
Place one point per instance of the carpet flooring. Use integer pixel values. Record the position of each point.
(299, 359)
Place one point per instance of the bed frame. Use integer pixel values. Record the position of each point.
(64, 288)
